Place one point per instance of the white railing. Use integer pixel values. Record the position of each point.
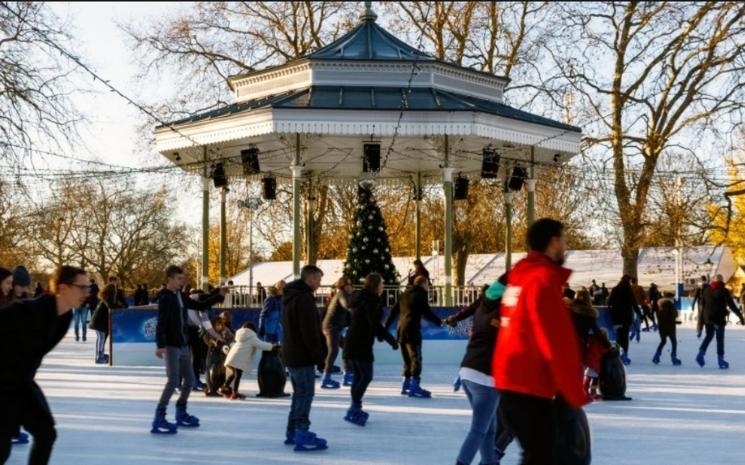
(244, 297)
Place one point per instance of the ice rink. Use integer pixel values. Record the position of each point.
(678, 416)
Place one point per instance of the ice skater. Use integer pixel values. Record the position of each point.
(412, 307)
(240, 358)
(301, 350)
(30, 329)
(366, 313)
(667, 316)
(716, 298)
(537, 364)
(172, 340)
(476, 378)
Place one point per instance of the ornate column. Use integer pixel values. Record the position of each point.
(205, 221)
(447, 184)
(297, 173)
(223, 234)
(508, 229)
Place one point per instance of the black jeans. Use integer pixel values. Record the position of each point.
(333, 339)
(363, 375)
(235, 378)
(532, 420)
(503, 435)
(411, 351)
(198, 352)
(673, 341)
(622, 337)
(303, 389)
(711, 331)
(30, 410)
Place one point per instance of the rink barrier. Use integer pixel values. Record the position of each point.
(134, 329)
(133, 332)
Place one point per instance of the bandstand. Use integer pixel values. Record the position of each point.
(368, 107)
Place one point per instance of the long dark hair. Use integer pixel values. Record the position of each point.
(372, 282)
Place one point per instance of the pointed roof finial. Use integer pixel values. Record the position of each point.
(369, 14)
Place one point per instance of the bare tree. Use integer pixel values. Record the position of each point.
(676, 74)
(212, 41)
(34, 81)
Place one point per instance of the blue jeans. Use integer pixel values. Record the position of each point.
(712, 330)
(178, 368)
(484, 401)
(80, 317)
(303, 388)
(100, 343)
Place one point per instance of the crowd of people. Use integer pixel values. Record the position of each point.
(533, 356)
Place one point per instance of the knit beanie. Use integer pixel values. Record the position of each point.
(21, 276)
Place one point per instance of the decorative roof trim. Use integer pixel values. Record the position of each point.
(365, 122)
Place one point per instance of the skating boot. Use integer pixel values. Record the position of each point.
(656, 358)
(676, 361)
(700, 358)
(20, 438)
(307, 441)
(723, 364)
(329, 383)
(290, 438)
(416, 391)
(625, 359)
(405, 386)
(348, 378)
(354, 415)
(161, 426)
(184, 419)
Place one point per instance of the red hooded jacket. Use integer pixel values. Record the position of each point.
(537, 351)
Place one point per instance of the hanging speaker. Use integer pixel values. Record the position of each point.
(460, 188)
(489, 163)
(269, 188)
(218, 175)
(517, 178)
(371, 158)
(250, 161)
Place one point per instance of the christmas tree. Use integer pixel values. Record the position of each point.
(368, 250)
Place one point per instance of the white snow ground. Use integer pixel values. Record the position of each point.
(679, 416)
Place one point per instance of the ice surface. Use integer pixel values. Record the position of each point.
(679, 416)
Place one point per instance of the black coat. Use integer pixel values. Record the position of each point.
(100, 318)
(93, 298)
(483, 339)
(366, 312)
(29, 329)
(667, 314)
(412, 307)
(337, 315)
(716, 299)
(301, 346)
(585, 319)
(621, 303)
(172, 328)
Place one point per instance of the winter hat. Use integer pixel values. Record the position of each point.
(4, 273)
(21, 276)
(495, 291)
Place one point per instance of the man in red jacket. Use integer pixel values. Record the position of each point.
(537, 361)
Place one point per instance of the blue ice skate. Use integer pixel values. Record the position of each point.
(415, 390)
(184, 419)
(161, 426)
(308, 441)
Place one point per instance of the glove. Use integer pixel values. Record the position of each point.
(450, 321)
(225, 349)
(456, 384)
(394, 345)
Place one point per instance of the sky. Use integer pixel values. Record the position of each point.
(112, 133)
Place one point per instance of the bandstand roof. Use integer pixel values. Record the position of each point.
(367, 86)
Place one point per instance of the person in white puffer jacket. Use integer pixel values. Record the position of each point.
(241, 357)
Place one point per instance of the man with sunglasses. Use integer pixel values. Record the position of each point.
(30, 329)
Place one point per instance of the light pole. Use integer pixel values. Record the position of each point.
(251, 204)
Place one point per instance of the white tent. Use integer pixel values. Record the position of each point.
(655, 265)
